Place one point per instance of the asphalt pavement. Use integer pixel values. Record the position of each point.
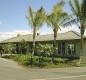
(10, 70)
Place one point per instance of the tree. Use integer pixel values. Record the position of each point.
(36, 20)
(22, 46)
(9, 48)
(1, 50)
(44, 49)
(55, 20)
(78, 18)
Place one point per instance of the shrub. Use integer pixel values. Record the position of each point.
(47, 59)
(16, 57)
(43, 64)
(24, 60)
(71, 62)
(35, 61)
(59, 60)
(39, 61)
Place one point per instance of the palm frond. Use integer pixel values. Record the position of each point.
(57, 15)
(41, 9)
(63, 17)
(72, 8)
(61, 3)
(49, 20)
(31, 13)
(69, 23)
(77, 6)
(40, 17)
(58, 6)
(84, 8)
(30, 16)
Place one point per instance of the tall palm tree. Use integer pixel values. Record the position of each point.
(55, 19)
(36, 20)
(79, 18)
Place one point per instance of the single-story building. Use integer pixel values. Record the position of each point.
(68, 43)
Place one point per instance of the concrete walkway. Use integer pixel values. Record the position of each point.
(8, 63)
(9, 70)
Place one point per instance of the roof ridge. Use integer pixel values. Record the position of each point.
(26, 34)
(45, 34)
(8, 39)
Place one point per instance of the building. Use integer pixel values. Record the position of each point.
(68, 43)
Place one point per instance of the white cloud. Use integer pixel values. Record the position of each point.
(62, 30)
(6, 35)
(23, 32)
(74, 28)
(14, 33)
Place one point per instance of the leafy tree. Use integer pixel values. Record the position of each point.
(36, 20)
(55, 19)
(1, 49)
(44, 49)
(22, 46)
(78, 18)
(9, 48)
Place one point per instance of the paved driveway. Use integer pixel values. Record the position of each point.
(9, 70)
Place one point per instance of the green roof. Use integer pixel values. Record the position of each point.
(60, 36)
(19, 38)
(70, 35)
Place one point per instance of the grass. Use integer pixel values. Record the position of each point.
(45, 62)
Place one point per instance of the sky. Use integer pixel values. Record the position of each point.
(13, 17)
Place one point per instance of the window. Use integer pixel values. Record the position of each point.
(71, 49)
(61, 48)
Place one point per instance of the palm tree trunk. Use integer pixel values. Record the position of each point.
(33, 49)
(81, 47)
(54, 44)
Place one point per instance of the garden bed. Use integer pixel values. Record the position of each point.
(44, 62)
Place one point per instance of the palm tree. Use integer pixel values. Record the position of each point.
(79, 18)
(55, 19)
(36, 20)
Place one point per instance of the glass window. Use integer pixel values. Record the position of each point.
(61, 48)
(71, 48)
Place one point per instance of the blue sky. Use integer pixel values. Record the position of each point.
(13, 12)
